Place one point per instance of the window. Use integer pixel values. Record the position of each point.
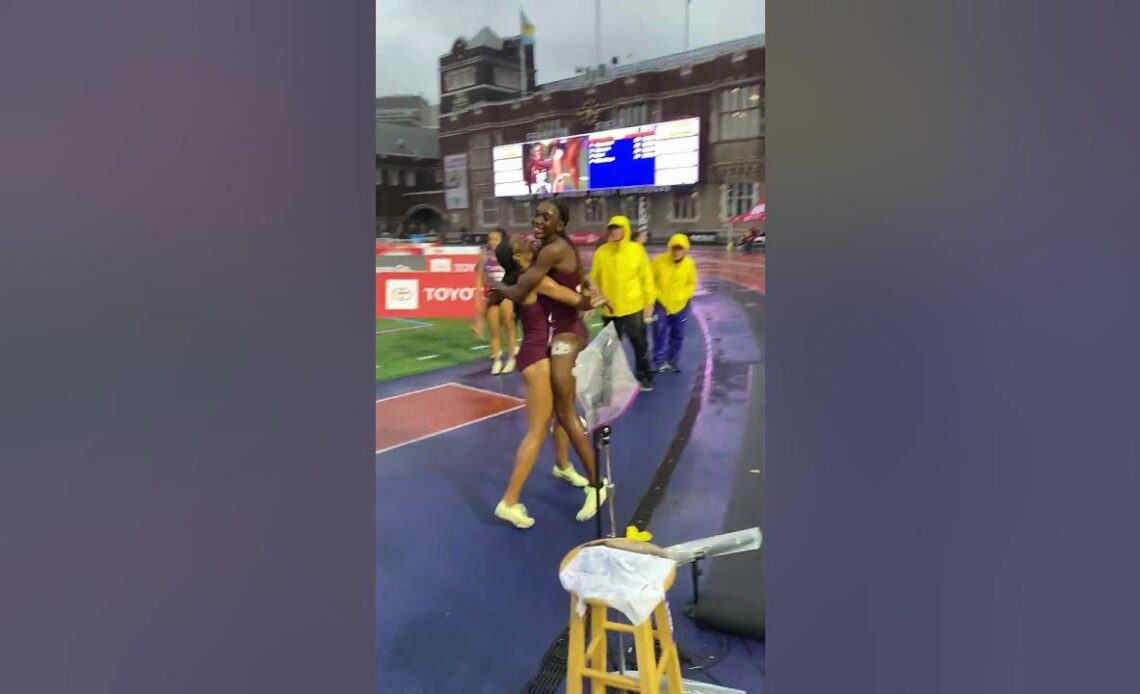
(740, 112)
(520, 215)
(631, 115)
(686, 207)
(459, 78)
(632, 209)
(594, 211)
(379, 176)
(479, 151)
(555, 127)
(437, 174)
(488, 212)
(393, 177)
(507, 77)
(738, 199)
(410, 179)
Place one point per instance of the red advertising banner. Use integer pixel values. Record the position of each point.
(453, 250)
(426, 294)
(454, 263)
(586, 238)
(384, 248)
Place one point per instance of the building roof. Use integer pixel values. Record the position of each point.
(407, 140)
(400, 101)
(487, 38)
(667, 62)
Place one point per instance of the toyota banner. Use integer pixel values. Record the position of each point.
(425, 294)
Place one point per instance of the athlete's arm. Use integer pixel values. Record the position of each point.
(527, 282)
(551, 289)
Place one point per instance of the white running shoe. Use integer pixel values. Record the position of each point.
(571, 475)
(509, 367)
(590, 506)
(496, 367)
(515, 515)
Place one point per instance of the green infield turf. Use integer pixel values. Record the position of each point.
(406, 347)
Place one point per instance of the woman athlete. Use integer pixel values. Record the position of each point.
(558, 259)
(534, 365)
(496, 313)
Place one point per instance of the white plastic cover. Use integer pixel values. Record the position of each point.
(630, 582)
(716, 546)
(606, 384)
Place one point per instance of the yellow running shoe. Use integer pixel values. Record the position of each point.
(571, 475)
(590, 506)
(515, 515)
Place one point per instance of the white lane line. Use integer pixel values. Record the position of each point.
(451, 384)
(488, 392)
(453, 428)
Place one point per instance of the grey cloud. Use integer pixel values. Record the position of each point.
(411, 35)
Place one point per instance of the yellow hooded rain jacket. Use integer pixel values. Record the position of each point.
(621, 272)
(676, 281)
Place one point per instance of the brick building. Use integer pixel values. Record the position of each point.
(482, 106)
(409, 181)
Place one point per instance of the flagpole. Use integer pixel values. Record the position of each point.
(687, 3)
(597, 34)
(522, 65)
(524, 39)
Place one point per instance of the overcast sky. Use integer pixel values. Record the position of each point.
(411, 35)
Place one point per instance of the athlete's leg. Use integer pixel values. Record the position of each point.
(563, 470)
(507, 311)
(494, 325)
(561, 447)
(536, 379)
(564, 351)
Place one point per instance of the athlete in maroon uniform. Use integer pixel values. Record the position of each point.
(558, 259)
(534, 365)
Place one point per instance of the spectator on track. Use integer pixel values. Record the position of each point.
(675, 275)
(621, 272)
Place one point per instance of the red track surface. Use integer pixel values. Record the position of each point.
(415, 416)
(746, 270)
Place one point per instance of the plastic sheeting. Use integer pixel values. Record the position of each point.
(606, 384)
(630, 582)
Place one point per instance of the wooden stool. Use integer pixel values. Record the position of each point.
(589, 662)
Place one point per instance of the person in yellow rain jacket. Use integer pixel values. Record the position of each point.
(622, 274)
(675, 274)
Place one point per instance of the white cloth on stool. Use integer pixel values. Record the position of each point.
(630, 582)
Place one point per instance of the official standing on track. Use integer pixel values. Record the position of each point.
(621, 272)
(675, 274)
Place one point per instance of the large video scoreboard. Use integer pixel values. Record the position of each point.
(658, 154)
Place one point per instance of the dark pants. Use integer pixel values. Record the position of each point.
(633, 327)
(668, 335)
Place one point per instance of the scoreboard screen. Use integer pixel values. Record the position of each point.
(659, 154)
